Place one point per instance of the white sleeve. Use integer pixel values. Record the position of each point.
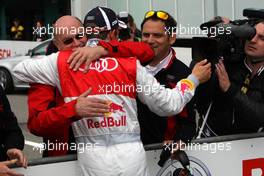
(161, 100)
(39, 70)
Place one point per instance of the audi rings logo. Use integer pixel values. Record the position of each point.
(197, 168)
(103, 64)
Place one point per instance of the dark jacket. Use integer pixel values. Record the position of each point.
(234, 111)
(10, 134)
(155, 129)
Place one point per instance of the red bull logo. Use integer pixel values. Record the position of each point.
(185, 85)
(114, 108)
(107, 122)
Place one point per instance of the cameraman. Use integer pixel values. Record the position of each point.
(237, 102)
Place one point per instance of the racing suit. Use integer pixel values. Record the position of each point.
(114, 146)
(48, 112)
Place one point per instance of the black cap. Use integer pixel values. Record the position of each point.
(104, 18)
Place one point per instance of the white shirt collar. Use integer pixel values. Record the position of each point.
(163, 64)
(260, 70)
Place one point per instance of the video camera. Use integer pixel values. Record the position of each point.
(226, 39)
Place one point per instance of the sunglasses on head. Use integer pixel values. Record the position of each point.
(160, 14)
(68, 41)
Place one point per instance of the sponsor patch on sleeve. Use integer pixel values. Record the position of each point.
(185, 85)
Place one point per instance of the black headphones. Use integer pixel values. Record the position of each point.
(180, 156)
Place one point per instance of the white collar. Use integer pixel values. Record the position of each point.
(163, 64)
(260, 70)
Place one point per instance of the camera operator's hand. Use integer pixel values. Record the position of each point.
(85, 55)
(202, 71)
(225, 20)
(222, 75)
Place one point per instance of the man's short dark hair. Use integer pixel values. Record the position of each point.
(260, 21)
(170, 23)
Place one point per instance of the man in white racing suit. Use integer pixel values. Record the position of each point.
(110, 145)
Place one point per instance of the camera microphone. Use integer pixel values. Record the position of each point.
(253, 13)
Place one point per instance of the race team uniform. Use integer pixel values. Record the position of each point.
(114, 145)
(48, 112)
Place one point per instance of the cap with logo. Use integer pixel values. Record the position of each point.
(104, 18)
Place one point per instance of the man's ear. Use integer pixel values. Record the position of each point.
(172, 39)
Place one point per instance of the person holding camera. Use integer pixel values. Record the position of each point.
(236, 101)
